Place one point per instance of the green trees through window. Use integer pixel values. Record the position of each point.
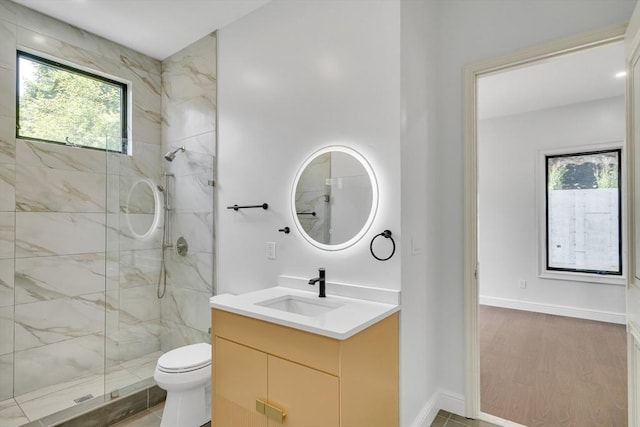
(57, 103)
(583, 218)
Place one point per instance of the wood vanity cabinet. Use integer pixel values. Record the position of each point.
(262, 370)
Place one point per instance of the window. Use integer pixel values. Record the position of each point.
(583, 212)
(61, 104)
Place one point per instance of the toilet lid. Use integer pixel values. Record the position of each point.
(187, 358)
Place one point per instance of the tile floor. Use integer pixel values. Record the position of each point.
(151, 418)
(40, 403)
(148, 418)
(26, 408)
(447, 419)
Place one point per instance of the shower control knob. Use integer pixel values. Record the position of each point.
(182, 247)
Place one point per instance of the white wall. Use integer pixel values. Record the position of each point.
(508, 155)
(419, 392)
(295, 77)
(472, 31)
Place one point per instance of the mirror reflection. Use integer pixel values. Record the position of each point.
(335, 198)
(143, 208)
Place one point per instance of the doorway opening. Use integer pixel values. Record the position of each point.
(533, 328)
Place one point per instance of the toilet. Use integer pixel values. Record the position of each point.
(185, 373)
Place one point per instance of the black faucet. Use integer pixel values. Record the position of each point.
(322, 282)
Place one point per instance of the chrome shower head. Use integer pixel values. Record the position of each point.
(172, 154)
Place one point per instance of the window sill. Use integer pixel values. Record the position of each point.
(584, 277)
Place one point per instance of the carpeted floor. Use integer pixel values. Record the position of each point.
(544, 370)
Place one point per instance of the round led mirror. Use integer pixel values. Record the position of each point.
(334, 198)
(143, 208)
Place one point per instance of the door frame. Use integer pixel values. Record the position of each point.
(471, 73)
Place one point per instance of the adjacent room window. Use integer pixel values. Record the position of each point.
(583, 212)
(61, 104)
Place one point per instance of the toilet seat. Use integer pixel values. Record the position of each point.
(185, 359)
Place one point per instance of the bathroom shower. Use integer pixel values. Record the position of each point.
(172, 154)
(181, 245)
(166, 236)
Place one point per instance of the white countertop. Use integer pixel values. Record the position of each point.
(351, 315)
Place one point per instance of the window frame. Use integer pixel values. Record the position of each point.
(83, 71)
(580, 275)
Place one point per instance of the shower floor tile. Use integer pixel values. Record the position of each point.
(47, 404)
(49, 400)
(11, 415)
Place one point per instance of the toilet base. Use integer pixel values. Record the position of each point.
(188, 408)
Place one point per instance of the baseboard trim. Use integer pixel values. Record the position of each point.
(498, 421)
(441, 399)
(428, 413)
(452, 402)
(559, 310)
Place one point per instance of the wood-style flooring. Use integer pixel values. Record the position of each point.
(544, 370)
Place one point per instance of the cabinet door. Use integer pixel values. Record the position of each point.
(309, 398)
(240, 378)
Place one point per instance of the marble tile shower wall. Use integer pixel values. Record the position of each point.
(188, 118)
(66, 254)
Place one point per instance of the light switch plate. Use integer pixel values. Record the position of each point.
(271, 250)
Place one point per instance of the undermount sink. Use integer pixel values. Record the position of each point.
(299, 305)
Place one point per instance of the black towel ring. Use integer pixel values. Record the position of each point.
(386, 234)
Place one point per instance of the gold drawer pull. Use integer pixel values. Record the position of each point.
(276, 414)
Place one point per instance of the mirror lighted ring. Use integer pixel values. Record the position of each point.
(143, 208)
(335, 198)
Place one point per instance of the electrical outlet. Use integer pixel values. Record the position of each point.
(522, 283)
(271, 250)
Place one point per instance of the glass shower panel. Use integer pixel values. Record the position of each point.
(134, 242)
(59, 278)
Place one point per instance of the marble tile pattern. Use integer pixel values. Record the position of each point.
(7, 283)
(6, 330)
(55, 233)
(71, 358)
(6, 376)
(42, 189)
(11, 415)
(7, 139)
(194, 272)
(58, 399)
(7, 235)
(7, 86)
(7, 44)
(7, 187)
(61, 231)
(59, 157)
(139, 268)
(189, 92)
(56, 277)
(188, 119)
(74, 264)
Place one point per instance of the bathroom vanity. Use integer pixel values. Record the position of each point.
(283, 356)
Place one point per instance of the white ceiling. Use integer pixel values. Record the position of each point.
(578, 77)
(158, 28)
